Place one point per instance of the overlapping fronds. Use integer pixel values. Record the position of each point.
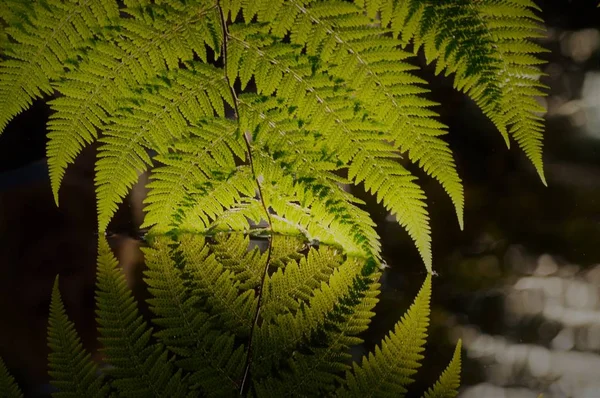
(318, 365)
(293, 284)
(232, 306)
(155, 115)
(8, 385)
(315, 207)
(256, 117)
(45, 45)
(449, 381)
(186, 329)
(222, 331)
(153, 40)
(199, 179)
(308, 322)
(357, 110)
(71, 368)
(489, 47)
(351, 48)
(248, 263)
(322, 88)
(282, 70)
(140, 367)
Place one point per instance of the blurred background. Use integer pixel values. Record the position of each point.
(520, 285)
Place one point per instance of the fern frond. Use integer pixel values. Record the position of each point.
(513, 26)
(388, 370)
(449, 381)
(56, 32)
(282, 70)
(140, 367)
(247, 269)
(8, 385)
(293, 284)
(71, 368)
(370, 62)
(273, 348)
(206, 204)
(232, 306)
(319, 370)
(187, 330)
(316, 207)
(318, 98)
(286, 249)
(159, 113)
(381, 77)
(12, 13)
(202, 166)
(488, 47)
(376, 166)
(154, 40)
(316, 366)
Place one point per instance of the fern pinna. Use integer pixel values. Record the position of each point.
(219, 329)
(213, 95)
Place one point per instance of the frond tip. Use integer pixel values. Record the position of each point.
(8, 385)
(387, 371)
(72, 370)
(449, 381)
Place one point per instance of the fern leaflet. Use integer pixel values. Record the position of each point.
(388, 370)
(8, 385)
(71, 368)
(155, 39)
(141, 368)
(153, 116)
(56, 32)
(449, 381)
(488, 46)
(187, 331)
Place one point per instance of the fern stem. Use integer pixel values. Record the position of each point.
(246, 134)
(245, 385)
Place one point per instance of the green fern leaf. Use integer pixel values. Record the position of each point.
(140, 49)
(292, 285)
(393, 185)
(317, 208)
(273, 348)
(488, 47)
(8, 385)
(248, 268)
(316, 27)
(371, 63)
(158, 113)
(185, 328)
(56, 32)
(202, 166)
(12, 13)
(232, 306)
(449, 381)
(139, 367)
(316, 364)
(318, 371)
(388, 370)
(71, 368)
